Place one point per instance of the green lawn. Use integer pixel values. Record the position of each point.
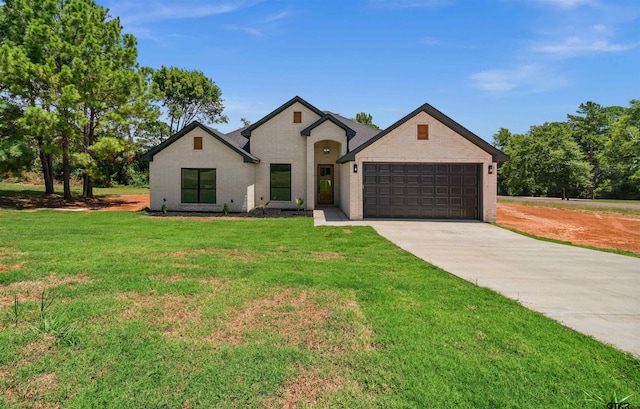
(173, 312)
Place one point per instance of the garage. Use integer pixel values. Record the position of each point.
(422, 190)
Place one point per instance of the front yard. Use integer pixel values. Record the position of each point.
(176, 312)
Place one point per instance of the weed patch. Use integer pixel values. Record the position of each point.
(32, 290)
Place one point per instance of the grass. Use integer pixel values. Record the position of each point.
(595, 206)
(15, 189)
(178, 312)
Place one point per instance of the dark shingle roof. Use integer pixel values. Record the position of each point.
(350, 133)
(232, 143)
(363, 132)
(237, 138)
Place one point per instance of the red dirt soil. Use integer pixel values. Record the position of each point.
(604, 230)
(128, 203)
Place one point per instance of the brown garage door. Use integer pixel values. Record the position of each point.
(422, 190)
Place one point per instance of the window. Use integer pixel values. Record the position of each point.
(281, 182)
(297, 117)
(198, 185)
(197, 143)
(423, 132)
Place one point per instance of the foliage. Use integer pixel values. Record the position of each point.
(299, 203)
(608, 139)
(366, 119)
(545, 161)
(187, 96)
(621, 153)
(153, 322)
(16, 154)
(68, 64)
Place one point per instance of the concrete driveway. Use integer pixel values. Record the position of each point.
(593, 292)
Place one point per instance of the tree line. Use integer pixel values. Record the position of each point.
(74, 102)
(593, 154)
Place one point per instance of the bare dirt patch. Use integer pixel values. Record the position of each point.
(605, 230)
(32, 290)
(177, 316)
(237, 254)
(310, 388)
(131, 203)
(24, 392)
(317, 320)
(9, 259)
(327, 255)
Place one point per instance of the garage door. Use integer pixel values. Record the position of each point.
(422, 190)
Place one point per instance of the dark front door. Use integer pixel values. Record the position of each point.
(325, 184)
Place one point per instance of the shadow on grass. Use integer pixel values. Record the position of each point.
(34, 199)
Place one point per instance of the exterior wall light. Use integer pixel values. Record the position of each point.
(355, 168)
(326, 150)
(490, 168)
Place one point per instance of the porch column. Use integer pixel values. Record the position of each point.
(310, 201)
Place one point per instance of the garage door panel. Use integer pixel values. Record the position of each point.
(421, 190)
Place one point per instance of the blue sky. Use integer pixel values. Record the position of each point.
(486, 64)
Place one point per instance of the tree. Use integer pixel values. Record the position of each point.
(245, 122)
(502, 138)
(590, 130)
(15, 152)
(546, 161)
(621, 153)
(69, 65)
(187, 96)
(27, 71)
(366, 119)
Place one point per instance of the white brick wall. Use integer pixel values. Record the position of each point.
(279, 141)
(444, 145)
(234, 178)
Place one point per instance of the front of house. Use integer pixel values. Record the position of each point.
(424, 166)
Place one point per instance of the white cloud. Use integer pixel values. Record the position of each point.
(405, 4)
(567, 4)
(595, 39)
(573, 46)
(429, 41)
(145, 11)
(278, 16)
(526, 78)
(256, 32)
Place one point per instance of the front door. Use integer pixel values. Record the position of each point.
(325, 184)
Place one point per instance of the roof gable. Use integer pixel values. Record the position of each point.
(497, 154)
(148, 157)
(350, 133)
(247, 131)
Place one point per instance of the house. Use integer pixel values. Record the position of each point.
(425, 165)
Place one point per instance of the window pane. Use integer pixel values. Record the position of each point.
(207, 178)
(189, 196)
(190, 178)
(281, 182)
(207, 196)
(280, 193)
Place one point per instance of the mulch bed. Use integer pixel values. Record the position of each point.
(269, 213)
